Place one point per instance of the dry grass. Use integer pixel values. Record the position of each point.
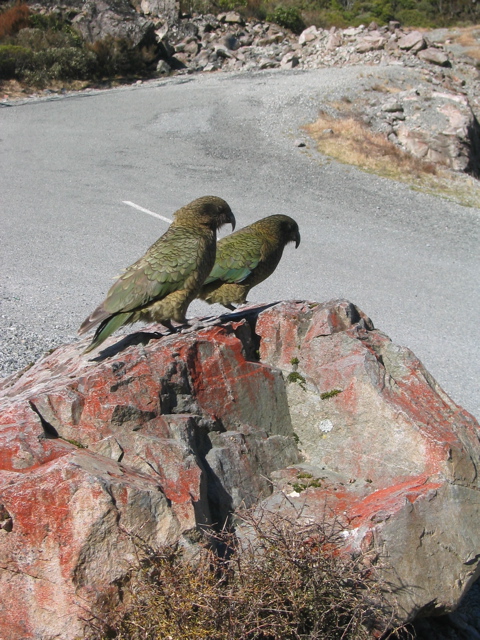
(384, 88)
(284, 580)
(15, 90)
(470, 39)
(351, 141)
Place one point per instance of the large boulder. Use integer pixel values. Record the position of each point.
(159, 435)
(396, 458)
(133, 22)
(447, 133)
(100, 19)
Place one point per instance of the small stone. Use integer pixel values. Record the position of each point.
(232, 17)
(391, 107)
(221, 51)
(371, 43)
(299, 143)
(308, 35)
(230, 42)
(334, 41)
(289, 61)
(434, 56)
(413, 41)
(163, 68)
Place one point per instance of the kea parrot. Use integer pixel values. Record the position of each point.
(160, 285)
(246, 258)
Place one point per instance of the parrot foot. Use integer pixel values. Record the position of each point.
(195, 324)
(168, 325)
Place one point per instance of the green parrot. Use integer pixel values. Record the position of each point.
(246, 258)
(160, 285)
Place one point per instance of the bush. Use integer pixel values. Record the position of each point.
(413, 18)
(230, 5)
(52, 50)
(13, 61)
(39, 40)
(68, 63)
(288, 17)
(117, 57)
(284, 579)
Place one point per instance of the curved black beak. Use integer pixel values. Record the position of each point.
(231, 219)
(297, 239)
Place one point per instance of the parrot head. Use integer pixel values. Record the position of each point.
(289, 230)
(210, 211)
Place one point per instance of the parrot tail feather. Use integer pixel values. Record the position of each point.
(107, 327)
(99, 315)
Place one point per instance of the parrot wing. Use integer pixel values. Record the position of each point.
(237, 256)
(163, 269)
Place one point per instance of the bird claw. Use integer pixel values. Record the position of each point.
(213, 322)
(192, 325)
(195, 324)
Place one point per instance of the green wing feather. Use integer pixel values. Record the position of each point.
(237, 256)
(163, 269)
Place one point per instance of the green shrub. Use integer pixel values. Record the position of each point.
(38, 67)
(48, 21)
(231, 5)
(68, 63)
(413, 18)
(56, 23)
(13, 61)
(38, 39)
(288, 17)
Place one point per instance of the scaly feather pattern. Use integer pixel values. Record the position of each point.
(161, 284)
(246, 258)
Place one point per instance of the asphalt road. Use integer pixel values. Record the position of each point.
(409, 260)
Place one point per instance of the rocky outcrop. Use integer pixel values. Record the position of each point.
(159, 435)
(395, 457)
(252, 42)
(98, 20)
(432, 123)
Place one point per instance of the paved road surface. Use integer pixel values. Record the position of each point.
(409, 260)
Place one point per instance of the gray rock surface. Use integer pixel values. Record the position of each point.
(98, 20)
(295, 405)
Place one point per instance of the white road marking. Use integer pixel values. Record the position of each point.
(151, 213)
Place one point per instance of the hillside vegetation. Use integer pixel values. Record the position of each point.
(40, 50)
(344, 13)
(45, 49)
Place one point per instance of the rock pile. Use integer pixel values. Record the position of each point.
(158, 436)
(260, 45)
